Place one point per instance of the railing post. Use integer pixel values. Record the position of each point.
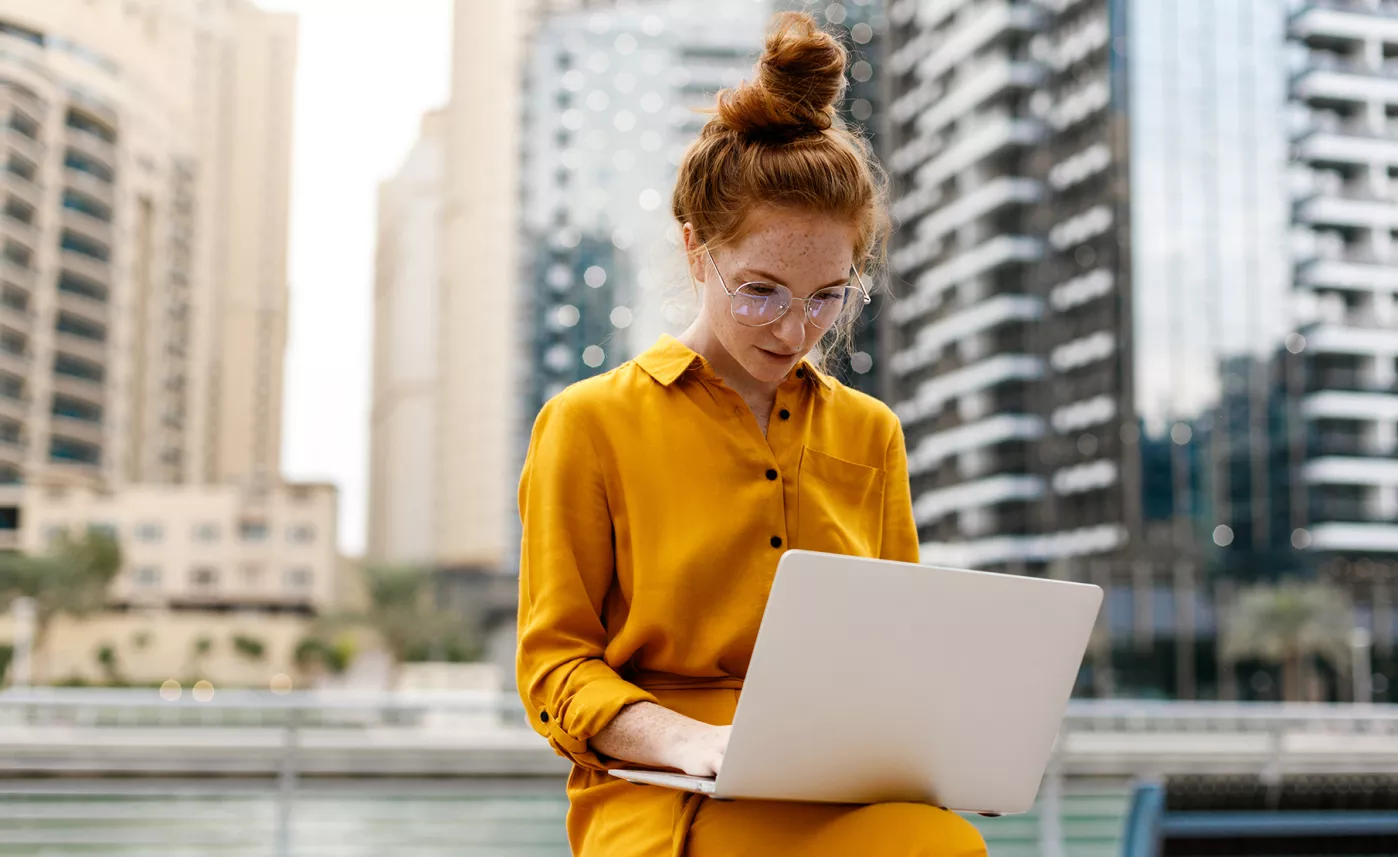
(1051, 807)
(286, 781)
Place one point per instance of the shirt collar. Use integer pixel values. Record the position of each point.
(668, 359)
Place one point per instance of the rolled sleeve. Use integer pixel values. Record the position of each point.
(900, 541)
(566, 571)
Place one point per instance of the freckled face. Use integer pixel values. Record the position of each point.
(802, 250)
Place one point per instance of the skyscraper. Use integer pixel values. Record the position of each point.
(403, 466)
(1118, 350)
(146, 179)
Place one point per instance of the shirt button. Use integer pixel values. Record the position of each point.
(776, 541)
(771, 475)
(544, 716)
(785, 414)
(800, 373)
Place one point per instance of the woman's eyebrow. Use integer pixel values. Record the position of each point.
(769, 277)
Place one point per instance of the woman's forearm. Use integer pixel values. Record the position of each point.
(648, 734)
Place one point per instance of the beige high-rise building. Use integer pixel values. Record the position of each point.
(479, 277)
(444, 494)
(145, 151)
(403, 471)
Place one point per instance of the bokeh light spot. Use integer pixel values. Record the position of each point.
(621, 317)
(203, 690)
(593, 356)
(568, 315)
(1181, 433)
(170, 690)
(280, 684)
(596, 276)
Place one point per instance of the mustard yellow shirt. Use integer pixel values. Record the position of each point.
(654, 512)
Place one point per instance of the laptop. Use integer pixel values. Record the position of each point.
(875, 681)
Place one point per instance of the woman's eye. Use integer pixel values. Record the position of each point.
(758, 290)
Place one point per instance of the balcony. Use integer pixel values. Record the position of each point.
(25, 233)
(31, 149)
(15, 364)
(1347, 268)
(995, 18)
(12, 273)
(11, 454)
(88, 226)
(1356, 333)
(14, 409)
(86, 266)
(931, 284)
(83, 430)
(85, 308)
(1339, 19)
(1352, 207)
(1342, 80)
(1335, 470)
(82, 347)
(976, 85)
(1342, 405)
(89, 184)
(93, 147)
(983, 139)
(84, 389)
(932, 506)
(1358, 537)
(21, 188)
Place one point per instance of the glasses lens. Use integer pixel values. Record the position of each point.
(831, 306)
(757, 304)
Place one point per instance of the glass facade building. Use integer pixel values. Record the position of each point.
(1145, 336)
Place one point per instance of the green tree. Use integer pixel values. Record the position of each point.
(249, 647)
(1291, 624)
(71, 578)
(111, 668)
(403, 615)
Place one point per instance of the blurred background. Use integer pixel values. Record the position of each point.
(284, 283)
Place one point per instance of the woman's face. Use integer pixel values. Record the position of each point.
(802, 250)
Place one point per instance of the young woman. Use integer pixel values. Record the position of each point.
(657, 498)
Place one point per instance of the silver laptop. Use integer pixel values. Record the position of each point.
(877, 681)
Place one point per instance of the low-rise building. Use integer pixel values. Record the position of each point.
(200, 547)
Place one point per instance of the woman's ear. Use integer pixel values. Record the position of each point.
(694, 254)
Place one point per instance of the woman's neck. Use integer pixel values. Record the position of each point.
(730, 371)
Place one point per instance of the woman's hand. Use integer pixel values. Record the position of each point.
(648, 734)
(698, 749)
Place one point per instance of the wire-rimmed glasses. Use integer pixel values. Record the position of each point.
(759, 303)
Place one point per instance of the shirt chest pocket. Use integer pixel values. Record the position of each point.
(839, 505)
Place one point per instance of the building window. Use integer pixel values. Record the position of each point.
(203, 577)
(80, 327)
(76, 409)
(150, 532)
(66, 450)
(75, 367)
(75, 160)
(206, 532)
(301, 534)
(79, 285)
(147, 577)
(103, 529)
(253, 531)
(297, 580)
(84, 246)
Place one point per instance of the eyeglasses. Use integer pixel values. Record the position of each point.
(759, 304)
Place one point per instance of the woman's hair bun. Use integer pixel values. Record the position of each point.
(800, 79)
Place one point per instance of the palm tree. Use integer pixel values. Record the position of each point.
(1290, 624)
(71, 578)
